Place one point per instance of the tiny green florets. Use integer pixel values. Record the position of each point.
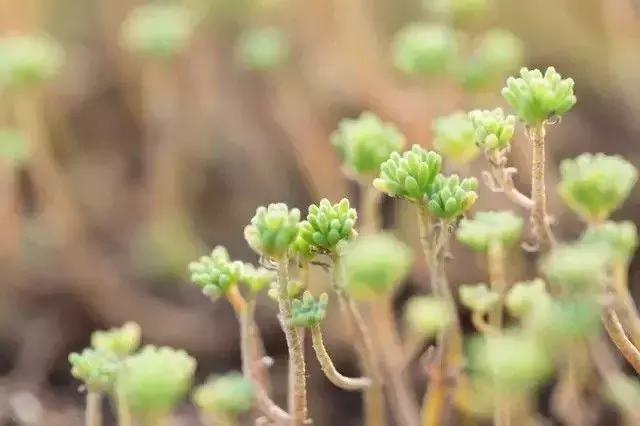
(493, 130)
(326, 228)
(263, 49)
(230, 394)
(537, 97)
(526, 297)
(375, 264)
(449, 197)
(28, 60)
(155, 379)
(454, 138)
(426, 316)
(118, 342)
(425, 49)
(365, 142)
(594, 185)
(409, 175)
(307, 312)
(216, 273)
(478, 297)
(485, 228)
(159, 30)
(577, 267)
(256, 278)
(272, 230)
(621, 238)
(97, 369)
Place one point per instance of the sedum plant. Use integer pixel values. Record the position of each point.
(425, 49)
(216, 273)
(493, 130)
(526, 297)
(478, 297)
(450, 197)
(427, 316)
(272, 230)
(262, 49)
(28, 60)
(118, 342)
(576, 267)
(487, 228)
(621, 238)
(226, 397)
(307, 311)
(454, 137)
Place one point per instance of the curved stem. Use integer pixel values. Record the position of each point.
(502, 181)
(93, 414)
(620, 339)
(539, 217)
(329, 369)
(625, 306)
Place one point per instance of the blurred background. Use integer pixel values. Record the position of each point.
(144, 164)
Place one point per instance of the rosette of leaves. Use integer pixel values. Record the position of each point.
(478, 297)
(537, 97)
(96, 369)
(365, 142)
(374, 265)
(449, 197)
(307, 311)
(594, 185)
(256, 278)
(409, 175)
(119, 342)
(426, 315)
(216, 273)
(577, 267)
(155, 379)
(327, 227)
(525, 297)
(263, 49)
(28, 60)
(568, 319)
(454, 137)
(493, 129)
(230, 394)
(425, 49)
(159, 30)
(486, 228)
(272, 230)
(621, 238)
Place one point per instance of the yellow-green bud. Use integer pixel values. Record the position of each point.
(216, 273)
(229, 394)
(28, 60)
(327, 227)
(425, 49)
(493, 130)
(118, 342)
(449, 197)
(485, 228)
(307, 312)
(527, 297)
(426, 315)
(272, 230)
(96, 369)
(478, 297)
(256, 278)
(454, 138)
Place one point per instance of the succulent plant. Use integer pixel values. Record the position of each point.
(525, 297)
(459, 10)
(155, 379)
(449, 197)
(454, 138)
(96, 369)
(537, 97)
(159, 30)
(374, 265)
(621, 238)
(503, 227)
(263, 49)
(118, 342)
(365, 142)
(272, 230)
(307, 311)
(256, 278)
(295, 289)
(327, 227)
(409, 175)
(594, 185)
(216, 273)
(28, 60)
(425, 49)
(426, 315)
(231, 394)
(566, 320)
(577, 267)
(493, 130)
(478, 297)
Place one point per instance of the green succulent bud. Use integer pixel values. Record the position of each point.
(426, 315)
(454, 137)
(96, 369)
(28, 60)
(409, 175)
(12, 146)
(159, 30)
(216, 273)
(375, 264)
(478, 297)
(256, 278)
(263, 49)
(526, 297)
(365, 142)
(621, 238)
(567, 320)
(578, 267)
(118, 342)
(486, 228)
(450, 197)
(594, 185)
(155, 379)
(307, 312)
(272, 230)
(513, 362)
(498, 53)
(459, 10)
(537, 98)
(493, 130)
(295, 288)
(328, 226)
(425, 49)
(231, 394)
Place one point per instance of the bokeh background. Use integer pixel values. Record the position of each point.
(148, 166)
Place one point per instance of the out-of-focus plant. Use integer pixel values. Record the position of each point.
(454, 137)
(263, 49)
(425, 49)
(224, 397)
(28, 60)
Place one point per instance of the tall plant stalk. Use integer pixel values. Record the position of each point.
(539, 216)
(93, 415)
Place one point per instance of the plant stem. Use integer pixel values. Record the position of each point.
(93, 410)
(370, 207)
(620, 339)
(297, 375)
(481, 324)
(539, 217)
(329, 369)
(498, 280)
(625, 306)
(501, 180)
(124, 415)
